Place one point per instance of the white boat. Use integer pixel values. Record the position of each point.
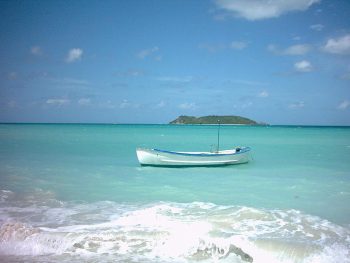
(157, 157)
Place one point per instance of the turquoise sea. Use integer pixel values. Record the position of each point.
(76, 193)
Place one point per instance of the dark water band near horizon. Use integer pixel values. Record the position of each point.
(76, 193)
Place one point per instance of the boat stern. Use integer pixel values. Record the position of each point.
(146, 156)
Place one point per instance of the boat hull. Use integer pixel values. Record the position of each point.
(156, 157)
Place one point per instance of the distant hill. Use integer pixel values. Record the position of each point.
(214, 120)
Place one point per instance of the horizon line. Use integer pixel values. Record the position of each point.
(114, 123)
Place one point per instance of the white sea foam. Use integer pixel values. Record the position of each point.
(166, 232)
(5, 194)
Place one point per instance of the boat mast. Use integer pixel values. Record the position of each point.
(218, 137)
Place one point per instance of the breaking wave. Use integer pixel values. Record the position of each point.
(42, 229)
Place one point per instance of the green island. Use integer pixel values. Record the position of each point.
(214, 119)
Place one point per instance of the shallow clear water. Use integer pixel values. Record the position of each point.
(77, 193)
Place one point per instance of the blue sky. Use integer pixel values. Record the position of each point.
(280, 62)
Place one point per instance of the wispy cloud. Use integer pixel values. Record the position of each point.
(176, 79)
(238, 45)
(124, 104)
(129, 73)
(74, 55)
(297, 50)
(69, 83)
(263, 9)
(36, 51)
(84, 101)
(263, 94)
(216, 47)
(346, 75)
(344, 105)
(57, 102)
(158, 58)
(250, 82)
(212, 47)
(296, 105)
(317, 27)
(294, 50)
(243, 104)
(303, 66)
(29, 76)
(108, 105)
(339, 46)
(12, 104)
(160, 104)
(187, 106)
(127, 104)
(12, 75)
(149, 52)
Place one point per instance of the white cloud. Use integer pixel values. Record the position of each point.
(344, 105)
(263, 9)
(295, 50)
(317, 27)
(303, 66)
(84, 101)
(263, 94)
(74, 54)
(296, 105)
(57, 102)
(238, 45)
(340, 46)
(148, 52)
(36, 50)
(187, 106)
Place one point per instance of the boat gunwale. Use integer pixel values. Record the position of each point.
(243, 150)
